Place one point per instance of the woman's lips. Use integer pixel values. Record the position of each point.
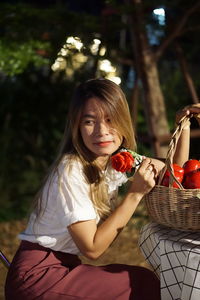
(103, 144)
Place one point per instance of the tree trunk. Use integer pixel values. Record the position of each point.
(188, 79)
(148, 73)
(134, 103)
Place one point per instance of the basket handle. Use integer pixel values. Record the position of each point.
(171, 151)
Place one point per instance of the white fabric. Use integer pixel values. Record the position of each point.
(68, 203)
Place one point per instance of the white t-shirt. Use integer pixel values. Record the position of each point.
(67, 203)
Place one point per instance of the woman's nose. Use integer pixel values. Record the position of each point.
(102, 128)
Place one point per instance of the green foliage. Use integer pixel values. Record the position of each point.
(34, 99)
(32, 36)
(15, 58)
(33, 116)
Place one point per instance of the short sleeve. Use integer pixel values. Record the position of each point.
(75, 197)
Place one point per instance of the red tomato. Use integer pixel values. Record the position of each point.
(191, 165)
(176, 168)
(192, 180)
(178, 175)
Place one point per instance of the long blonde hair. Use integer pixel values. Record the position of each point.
(114, 102)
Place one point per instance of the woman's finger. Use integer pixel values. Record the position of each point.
(181, 113)
(193, 109)
(145, 163)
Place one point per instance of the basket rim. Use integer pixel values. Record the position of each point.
(173, 188)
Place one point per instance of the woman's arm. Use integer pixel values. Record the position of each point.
(181, 154)
(92, 240)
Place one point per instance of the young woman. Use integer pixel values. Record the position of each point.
(76, 210)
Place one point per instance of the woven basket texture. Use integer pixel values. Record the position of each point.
(177, 208)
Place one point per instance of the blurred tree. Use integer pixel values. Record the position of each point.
(35, 93)
(148, 49)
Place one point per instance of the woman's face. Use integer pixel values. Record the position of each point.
(96, 130)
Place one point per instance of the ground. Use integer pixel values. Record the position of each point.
(123, 250)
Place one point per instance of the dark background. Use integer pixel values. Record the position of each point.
(34, 98)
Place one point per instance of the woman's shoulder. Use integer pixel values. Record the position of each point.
(71, 167)
(71, 161)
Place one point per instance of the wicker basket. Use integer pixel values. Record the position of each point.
(172, 207)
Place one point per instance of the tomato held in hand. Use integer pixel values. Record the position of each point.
(191, 165)
(192, 180)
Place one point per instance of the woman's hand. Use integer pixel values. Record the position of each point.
(181, 154)
(145, 178)
(193, 109)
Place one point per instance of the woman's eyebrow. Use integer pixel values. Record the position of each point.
(88, 116)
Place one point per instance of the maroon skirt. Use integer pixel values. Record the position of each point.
(40, 273)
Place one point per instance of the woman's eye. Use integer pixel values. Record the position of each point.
(89, 122)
